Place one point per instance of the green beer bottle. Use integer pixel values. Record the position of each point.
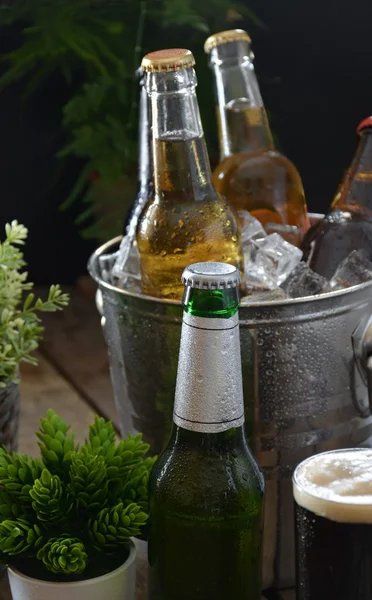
(206, 489)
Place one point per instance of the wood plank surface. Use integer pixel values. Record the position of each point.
(74, 344)
(42, 387)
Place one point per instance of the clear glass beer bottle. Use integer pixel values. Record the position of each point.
(187, 221)
(251, 173)
(206, 490)
(145, 188)
(145, 181)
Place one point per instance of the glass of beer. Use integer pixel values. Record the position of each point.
(333, 507)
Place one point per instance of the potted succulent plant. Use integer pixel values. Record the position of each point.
(20, 328)
(67, 518)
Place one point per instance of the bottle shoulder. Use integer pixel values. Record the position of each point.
(173, 213)
(183, 477)
(248, 164)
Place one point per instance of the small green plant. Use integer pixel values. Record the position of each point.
(68, 511)
(20, 328)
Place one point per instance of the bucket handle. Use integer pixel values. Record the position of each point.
(369, 381)
(362, 345)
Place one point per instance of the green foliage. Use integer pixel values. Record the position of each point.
(113, 527)
(76, 503)
(51, 503)
(18, 537)
(10, 507)
(18, 473)
(102, 43)
(120, 459)
(136, 487)
(20, 329)
(88, 481)
(65, 555)
(101, 436)
(56, 444)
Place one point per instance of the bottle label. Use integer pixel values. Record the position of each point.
(209, 390)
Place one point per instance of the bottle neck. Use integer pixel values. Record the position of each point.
(181, 163)
(242, 121)
(356, 188)
(144, 143)
(209, 392)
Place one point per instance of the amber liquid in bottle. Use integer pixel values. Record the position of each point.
(186, 221)
(252, 174)
(348, 226)
(182, 225)
(262, 181)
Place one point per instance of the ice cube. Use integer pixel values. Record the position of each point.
(130, 283)
(304, 282)
(354, 269)
(261, 297)
(128, 261)
(251, 228)
(106, 263)
(290, 233)
(272, 260)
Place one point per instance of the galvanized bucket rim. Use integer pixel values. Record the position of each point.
(107, 246)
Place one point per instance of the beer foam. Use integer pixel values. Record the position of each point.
(336, 485)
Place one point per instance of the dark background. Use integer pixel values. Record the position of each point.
(313, 61)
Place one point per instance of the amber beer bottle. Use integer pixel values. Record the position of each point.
(206, 490)
(348, 225)
(251, 173)
(187, 221)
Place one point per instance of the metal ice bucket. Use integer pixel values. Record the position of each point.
(305, 384)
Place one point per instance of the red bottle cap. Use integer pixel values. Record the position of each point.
(364, 124)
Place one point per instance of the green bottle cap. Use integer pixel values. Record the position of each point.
(211, 276)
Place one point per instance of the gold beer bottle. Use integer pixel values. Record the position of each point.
(187, 221)
(252, 174)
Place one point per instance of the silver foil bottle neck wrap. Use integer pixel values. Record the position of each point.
(209, 390)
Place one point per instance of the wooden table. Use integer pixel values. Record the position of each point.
(73, 379)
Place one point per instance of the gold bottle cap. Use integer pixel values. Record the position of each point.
(224, 37)
(171, 59)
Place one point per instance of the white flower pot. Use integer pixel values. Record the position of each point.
(117, 585)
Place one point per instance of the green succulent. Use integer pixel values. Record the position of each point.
(101, 436)
(10, 507)
(135, 490)
(120, 458)
(65, 555)
(19, 537)
(51, 503)
(66, 510)
(17, 475)
(124, 457)
(56, 444)
(88, 481)
(113, 527)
